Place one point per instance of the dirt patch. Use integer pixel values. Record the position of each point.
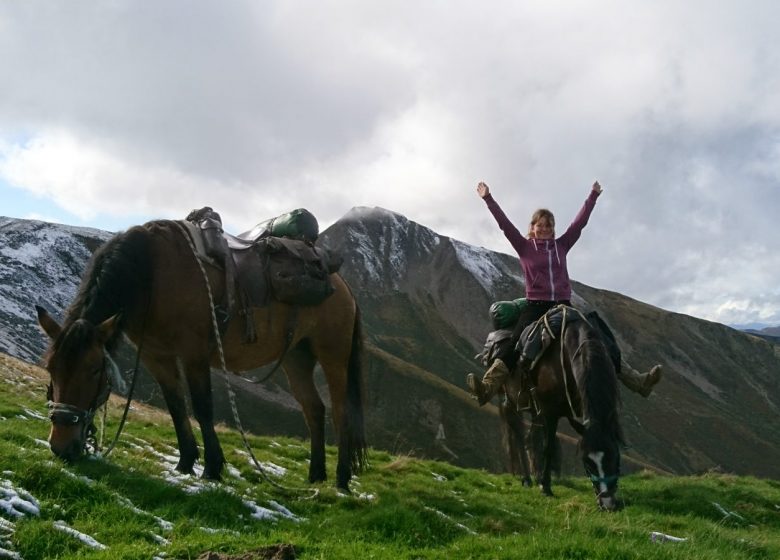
(274, 552)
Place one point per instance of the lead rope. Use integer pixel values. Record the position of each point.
(129, 391)
(231, 393)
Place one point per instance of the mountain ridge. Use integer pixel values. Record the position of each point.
(424, 298)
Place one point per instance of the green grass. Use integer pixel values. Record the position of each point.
(400, 508)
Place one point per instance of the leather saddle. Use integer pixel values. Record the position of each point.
(260, 266)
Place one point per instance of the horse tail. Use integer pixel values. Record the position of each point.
(356, 438)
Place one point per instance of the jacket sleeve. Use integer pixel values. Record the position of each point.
(573, 232)
(510, 231)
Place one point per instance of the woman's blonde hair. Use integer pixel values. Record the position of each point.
(538, 215)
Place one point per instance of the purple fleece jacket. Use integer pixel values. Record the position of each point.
(544, 260)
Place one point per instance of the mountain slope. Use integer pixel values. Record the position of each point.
(424, 300)
(134, 505)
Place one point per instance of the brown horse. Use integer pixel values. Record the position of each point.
(146, 283)
(575, 379)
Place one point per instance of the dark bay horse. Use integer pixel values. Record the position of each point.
(146, 283)
(575, 379)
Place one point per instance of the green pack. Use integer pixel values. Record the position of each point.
(298, 224)
(505, 314)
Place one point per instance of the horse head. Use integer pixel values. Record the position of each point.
(77, 363)
(601, 458)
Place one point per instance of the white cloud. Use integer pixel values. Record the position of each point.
(257, 108)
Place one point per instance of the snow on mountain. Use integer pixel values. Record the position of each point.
(484, 265)
(40, 264)
(382, 244)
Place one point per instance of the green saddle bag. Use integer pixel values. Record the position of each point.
(504, 314)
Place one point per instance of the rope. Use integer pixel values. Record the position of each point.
(231, 393)
(130, 391)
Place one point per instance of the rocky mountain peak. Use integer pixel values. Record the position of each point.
(424, 300)
(40, 264)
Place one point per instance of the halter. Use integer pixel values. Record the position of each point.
(605, 479)
(63, 414)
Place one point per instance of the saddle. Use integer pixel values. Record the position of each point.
(537, 337)
(277, 259)
(533, 342)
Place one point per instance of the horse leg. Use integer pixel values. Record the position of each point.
(198, 375)
(512, 436)
(550, 436)
(299, 367)
(165, 371)
(345, 385)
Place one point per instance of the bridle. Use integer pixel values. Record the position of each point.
(63, 414)
(607, 480)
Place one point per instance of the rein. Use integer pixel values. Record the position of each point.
(231, 393)
(129, 392)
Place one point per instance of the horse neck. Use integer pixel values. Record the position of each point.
(594, 373)
(116, 277)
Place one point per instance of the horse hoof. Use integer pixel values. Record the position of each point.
(208, 475)
(546, 491)
(183, 469)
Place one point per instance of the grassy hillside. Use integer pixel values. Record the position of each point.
(133, 505)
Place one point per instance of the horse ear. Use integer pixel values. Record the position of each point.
(106, 328)
(49, 325)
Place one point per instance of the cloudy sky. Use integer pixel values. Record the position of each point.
(119, 111)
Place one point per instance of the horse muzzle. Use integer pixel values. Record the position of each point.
(66, 442)
(608, 501)
(69, 430)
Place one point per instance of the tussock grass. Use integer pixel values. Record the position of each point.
(401, 508)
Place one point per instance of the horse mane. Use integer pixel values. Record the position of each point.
(599, 387)
(117, 276)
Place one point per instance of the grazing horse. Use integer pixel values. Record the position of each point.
(147, 284)
(575, 379)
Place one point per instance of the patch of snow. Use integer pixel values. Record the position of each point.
(85, 479)
(262, 514)
(481, 264)
(284, 511)
(233, 471)
(448, 518)
(158, 539)
(17, 502)
(219, 531)
(362, 496)
(5, 553)
(273, 469)
(164, 525)
(35, 414)
(86, 539)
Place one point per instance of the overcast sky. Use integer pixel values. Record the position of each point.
(115, 112)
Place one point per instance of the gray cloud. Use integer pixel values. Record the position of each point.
(256, 108)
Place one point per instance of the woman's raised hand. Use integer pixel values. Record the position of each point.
(596, 187)
(482, 190)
